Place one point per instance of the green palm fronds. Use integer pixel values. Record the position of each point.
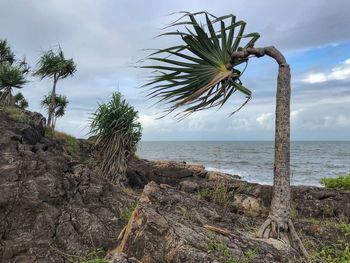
(199, 74)
(53, 64)
(117, 132)
(11, 76)
(6, 54)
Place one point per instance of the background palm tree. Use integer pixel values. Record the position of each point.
(61, 103)
(54, 65)
(204, 72)
(10, 77)
(6, 54)
(20, 101)
(12, 73)
(116, 132)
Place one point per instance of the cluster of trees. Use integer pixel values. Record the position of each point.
(14, 74)
(202, 72)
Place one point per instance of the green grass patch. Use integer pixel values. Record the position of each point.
(225, 256)
(17, 114)
(96, 256)
(71, 144)
(340, 182)
(336, 253)
(126, 213)
(219, 194)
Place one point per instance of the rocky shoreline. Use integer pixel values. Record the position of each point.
(54, 208)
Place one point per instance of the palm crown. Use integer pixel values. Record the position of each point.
(199, 74)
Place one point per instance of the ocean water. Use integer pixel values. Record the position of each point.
(253, 161)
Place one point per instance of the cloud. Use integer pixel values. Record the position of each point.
(265, 120)
(340, 72)
(106, 37)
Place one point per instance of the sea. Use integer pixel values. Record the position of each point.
(253, 160)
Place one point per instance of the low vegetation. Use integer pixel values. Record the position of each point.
(116, 133)
(127, 212)
(340, 182)
(71, 144)
(335, 253)
(17, 114)
(225, 256)
(96, 256)
(219, 194)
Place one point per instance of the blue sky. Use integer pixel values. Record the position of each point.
(106, 39)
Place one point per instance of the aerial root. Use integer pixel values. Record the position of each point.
(283, 231)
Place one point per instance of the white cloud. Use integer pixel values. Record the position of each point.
(340, 72)
(315, 78)
(295, 114)
(265, 120)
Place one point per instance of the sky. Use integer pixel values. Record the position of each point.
(107, 38)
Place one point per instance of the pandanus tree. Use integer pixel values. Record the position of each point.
(204, 72)
(116, 132)
(10, 77)
(6, 54)
(20, 101)
(53, 64)
(12, 73)
(59, 110)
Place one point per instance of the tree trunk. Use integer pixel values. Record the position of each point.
(6, 98)
(278, 224)
(52, 104)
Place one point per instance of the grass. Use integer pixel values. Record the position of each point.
(336, 253)
(70, 143)
(340, 182)
(17, 114)
(225, 256)
(126, 213)
(96, 256)
(185, 212)
(219, 194)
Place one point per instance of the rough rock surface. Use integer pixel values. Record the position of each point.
(173, 226)
(51, 208)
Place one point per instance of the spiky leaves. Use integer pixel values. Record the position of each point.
(10, 77)
(117, 132)
(53, 64)
(61, 103)
(20, 101)
(6, 54)
(199, 74)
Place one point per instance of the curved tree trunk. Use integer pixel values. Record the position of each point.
(6, 98)
(278, 224)
(52, 105)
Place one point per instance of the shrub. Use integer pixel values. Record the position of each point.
(340, 182)
(116, 131)
(219, 194)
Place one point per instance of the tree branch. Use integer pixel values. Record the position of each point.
(271, 51)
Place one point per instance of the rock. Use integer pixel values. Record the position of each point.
(49, 206)
(189, 186)
(140, 172)
(168, 226)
